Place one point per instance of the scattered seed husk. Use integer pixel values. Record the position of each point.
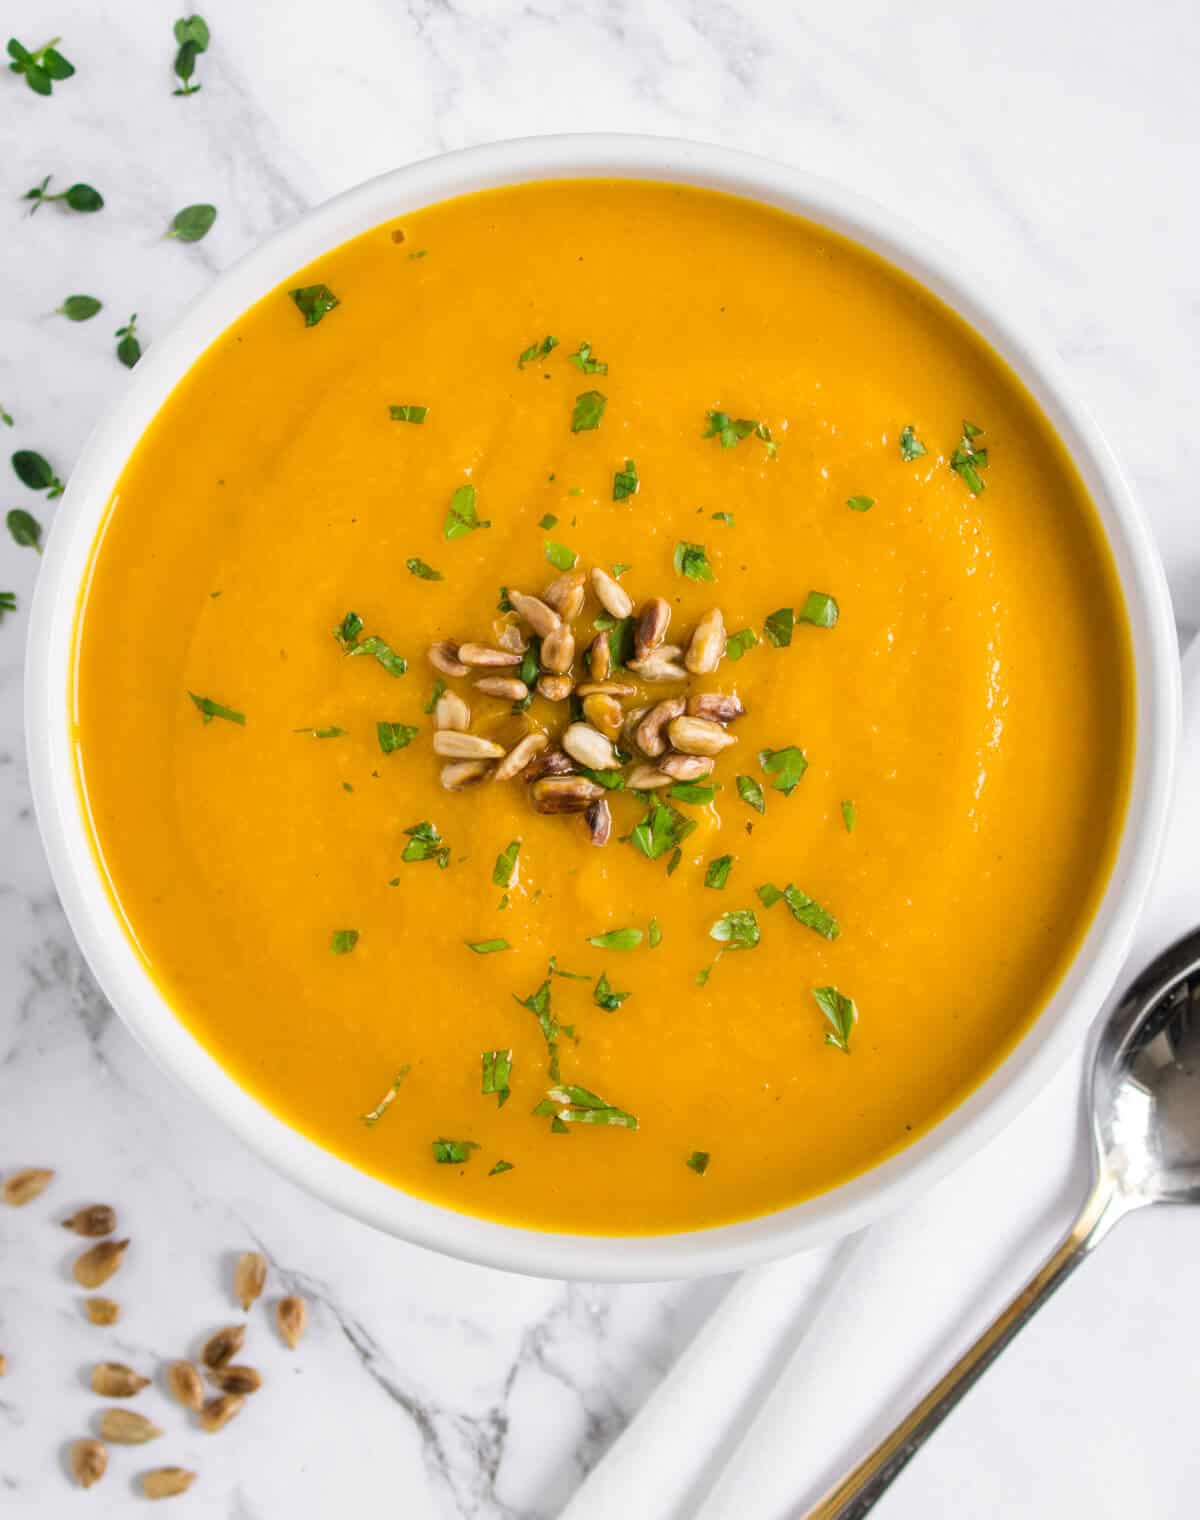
(249, 1278)
(649, 736)
(166, 1482)
(99, 1263)
(96, 1219)
(218, 1412)
(699, 736)
(102, 1311)
(520, 756)
(458, 775)
(444, 658)
(598, 818)
(236, 1378)
(114, 1380)
(541, 618)
(24, 1186)
(611, 595)
(185, 1385)
(125, 1427)
(555, 688)
(564, 794)
(452, 712)
(89, 1462)
(223, 1345)
(452, 745)
(485, 655)
(291, 1315)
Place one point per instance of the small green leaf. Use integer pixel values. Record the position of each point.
(583, 361)
(42, 68)
(6, 417)
(778, 627)
(654, 935)
(661, 831)
(394, 736)
(424, 843)
(619, 569)
(193, 223)
(79, 308)
(313, 302)
(80, 197)
(811, 914)
(697, 792)
(784, 766)
(25, 529)
(698, 1161)
(724, 517)
(422, 571)
(504, 872)
(737, 930)
(462, 517)
(737, 644)
(626, 482)
(769, 895)
(500, 1167)
(841, 1013)
(389, 1097)
(691, 561)
(589, 408)
(911, 446)
(210, 710)
(604, 996)
(967, 460)
(193, 29)
(617, 939)
(536, 351)
(408, 413)
(497, 1072)
(487, 946)
(322, 733)
(751, 793)
(849, 816)
(560, 556)
(576, 1105)
(8, 603)
(548, 522)
(726, 430)
(129, 349)
(347, 636)
(343, 941)
(451, 1152)
(718, 872)
(34, 471)
(860, 503)
(439, 688)
(820, 609)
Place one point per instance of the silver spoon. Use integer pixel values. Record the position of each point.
(1145, 1119)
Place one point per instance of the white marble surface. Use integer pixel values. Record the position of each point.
(1053, 146)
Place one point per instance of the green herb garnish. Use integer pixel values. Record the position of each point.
(79, 308)
(849, 816)
(439, 690)
(8, 603)
(347, 635)
(730, 431)
(589, 408)
(811, 914)
(617, 939)
(342, 941)
(703, 975)
(618, 570)
(538, 1004)
(192, 35)
(35, 472)
(778, 627)
(737, 930)
(654, 935)
(42, 67)
(560, 556)
(583, 361)
(724, 517)
(25, 529)
(784, 766)
(698, 792)
(698, 1161)
(536, 351)
(322, 733)
(841, 1013)
(394, 736)
(408, 413)
(737, 644)
(487, 946)
(462, 516)
(6, 417)
(313, 302)
(547, 522)
(424, 843)
(751, 793)
(77, 197)
(911, 446)
(504, 872)
(967, 460)
(691, 560)
(820, 609)
(422, 571)
(576, 1105)
(497, 1069)
(500, 1166)
(451, 1152)
(604, 996)
(768, 895)
(718, 871)
(389, 1097)
(129, 348)
(626, 482)
(210, 710)
(663, 829)
(860, 503)
(193, 223)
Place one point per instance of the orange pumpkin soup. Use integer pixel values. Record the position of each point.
(859, 739)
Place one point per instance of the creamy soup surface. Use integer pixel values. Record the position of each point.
(796, 951)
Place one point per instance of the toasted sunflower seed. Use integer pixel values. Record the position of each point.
(486, 655)
(651, 629)
(565, 594)
(598, 659)
(125, 1427)
(223, 1345)
(605, 689)
(717, 706)
(633, 716)
(509, 636)
(612, 596)
(218, 1412)
(452, 745)
(113, 1380)
(647, 778)
(166, 1482)
(707, 644)
(649, 736)
(99, 1263)
(564, 794)
(555, 688)
(542, 619)
(699, 736)
(291, 1316)
(444, 657)
(237, 1379)
(184, 1385)
(102, 1311)
(249, 1278)
(551, 762)
(558, 650)
(521, 754)
(598, 818)
(96, 1219)
(451, 712)
(458, 775)
(507, 687)
(658, 666)
(26, 1185)
(89, 1462)
(589, 746)
(686, 767)
(604, 713)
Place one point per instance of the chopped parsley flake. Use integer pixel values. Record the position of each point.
(849, 816)
(693, 791)
(576, 1105)
(548, 522)
(314, 302)
(424, 843)
(626, 482)
(811, 914)
(583, 361)
(778, 627)
(422, 571)
(8, 603)
(347, 635)
(408, 413)
(820, 609)
(210, 710)
(718, 871)
(841, 1013)
(737, 644)
(462, 516)
(784, 766)
(504, 872)
(387, 1100)
(497, 1069)
(619, 569)
(322, 733)
(617, 939)
(967, 460)
(450, 1152)
(439, 690)
(654, 935)
(538, 1004)
(342, 941)
(394, 736)
(698, 1161)
(737, 930)
(663, 829)
(487, 946)
(691, 560)
(589, 408)
(500, 1166)
(860, 503)
(911, 446)
(768, 895)
(536, 351)
(560, 556)
(751, 793)
(724, 517)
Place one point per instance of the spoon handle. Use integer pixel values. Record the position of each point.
(859, 1491)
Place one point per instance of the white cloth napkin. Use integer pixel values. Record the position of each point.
(810, 1361)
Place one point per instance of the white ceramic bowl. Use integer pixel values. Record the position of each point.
(49, 702)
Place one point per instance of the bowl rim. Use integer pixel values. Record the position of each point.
(93, 916)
